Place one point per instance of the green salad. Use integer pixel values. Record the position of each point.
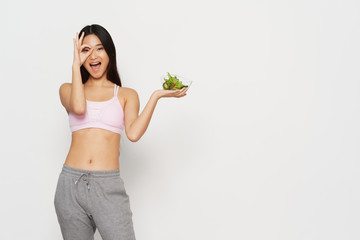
(173, 83)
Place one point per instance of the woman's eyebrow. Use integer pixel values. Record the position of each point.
(97, 45)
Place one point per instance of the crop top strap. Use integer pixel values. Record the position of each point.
(116, 88)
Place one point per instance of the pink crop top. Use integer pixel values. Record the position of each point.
(107, 115)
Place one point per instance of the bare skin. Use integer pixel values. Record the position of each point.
(96, 148)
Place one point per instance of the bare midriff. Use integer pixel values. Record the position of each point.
(94, 149)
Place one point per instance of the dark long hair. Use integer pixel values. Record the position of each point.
(107, 42)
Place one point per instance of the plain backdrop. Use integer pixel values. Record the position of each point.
(264, 146)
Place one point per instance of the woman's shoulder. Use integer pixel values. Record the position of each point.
(129, 94)
(128, 91)
(64, 88)
(65, 85)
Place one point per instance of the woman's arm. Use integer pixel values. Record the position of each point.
(71, 94)
(77, 101)
(77, 97)
(135, 125)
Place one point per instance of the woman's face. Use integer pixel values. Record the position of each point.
(98, 55)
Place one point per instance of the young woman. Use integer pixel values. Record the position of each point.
(90, 193)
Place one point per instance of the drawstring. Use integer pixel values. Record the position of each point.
(86, 179)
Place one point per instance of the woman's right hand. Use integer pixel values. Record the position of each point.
(80, 56)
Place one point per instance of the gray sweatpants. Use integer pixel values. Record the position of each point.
(85, 200)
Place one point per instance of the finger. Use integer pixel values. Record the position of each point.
(175, 92)
(77, 37)
(76, 41)
(86, 55)
(85, 45)
(75, 46)
(89, 52)
(179, 94)
(82, 37)
(184, 92)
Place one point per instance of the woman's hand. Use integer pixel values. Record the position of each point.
(79, 55)
(170, 93)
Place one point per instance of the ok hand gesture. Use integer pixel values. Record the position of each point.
(80, 56)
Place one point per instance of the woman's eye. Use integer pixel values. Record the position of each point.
(100, 48)
(84, 50)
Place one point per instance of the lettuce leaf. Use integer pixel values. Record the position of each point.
(173, 83)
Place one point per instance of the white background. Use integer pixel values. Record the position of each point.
(264, 146)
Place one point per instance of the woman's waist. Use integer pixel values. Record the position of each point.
(93, 148)
(92, 160)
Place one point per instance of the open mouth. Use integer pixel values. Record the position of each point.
(95, 66)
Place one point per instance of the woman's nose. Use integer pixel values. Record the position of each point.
(93, 54)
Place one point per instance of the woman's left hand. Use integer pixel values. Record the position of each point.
(171, 93)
